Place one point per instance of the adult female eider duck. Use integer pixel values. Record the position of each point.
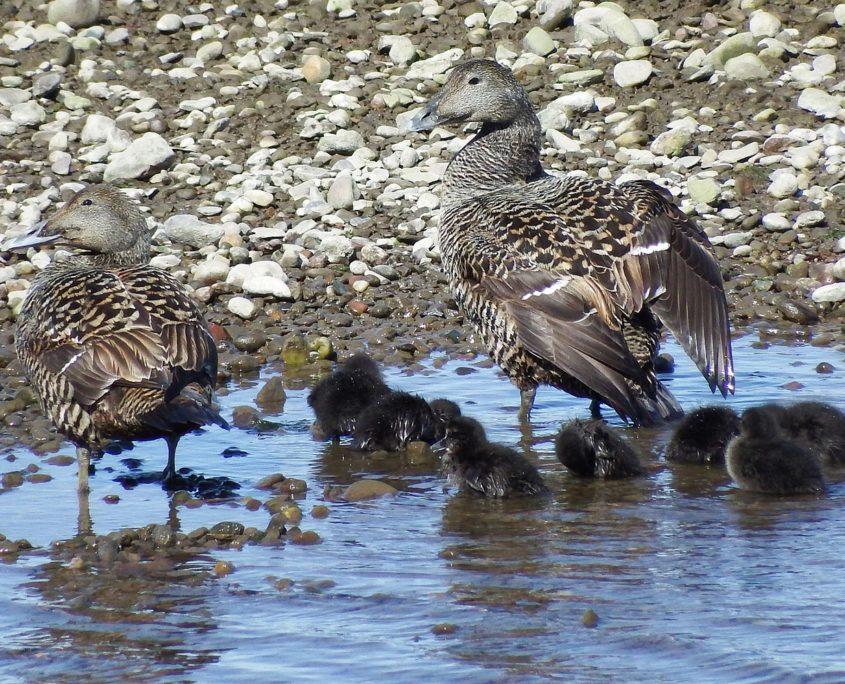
(115, 348)
(764, 458)
(568, 279)
(702, 436)
(594, 449)
(475, 465)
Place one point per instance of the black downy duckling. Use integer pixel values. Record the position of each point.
(115, 348)
(764, 458)
(340, 397)
(475, 465)
(398, 418)
(594, 449)
(395, 419)
(703, 435)
(817, 424)
(567, 279)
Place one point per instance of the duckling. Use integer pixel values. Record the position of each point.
(115, 348)
(340, 397)
(475, 465)
(445, 410)
(763, 458)
(818, 424)
(567, 279)
(594, 449)
(703, 435)
(395, 419)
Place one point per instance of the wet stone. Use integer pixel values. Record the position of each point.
(272, 396)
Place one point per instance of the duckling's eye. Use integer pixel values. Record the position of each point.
(474, 80)
(87, 203)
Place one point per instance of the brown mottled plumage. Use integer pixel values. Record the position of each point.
(116, 348)
(567, 279)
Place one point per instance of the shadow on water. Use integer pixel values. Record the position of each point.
(687, 577)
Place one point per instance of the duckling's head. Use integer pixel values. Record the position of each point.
(478, 90)
(99, 220)
(464, 432)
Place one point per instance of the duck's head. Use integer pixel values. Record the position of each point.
(464, 432)
(98, 220)
(479, 90)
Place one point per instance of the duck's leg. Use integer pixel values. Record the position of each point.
(83, 521)
(169, 474)
(526, 403)
(595, 409)
(83, 461)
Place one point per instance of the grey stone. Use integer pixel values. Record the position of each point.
(169, 23)
(703, 190)
(147, 154)
(47, 85)
(74, 13)
(835, 292)
(342, 192)
(746, 67)
(342, 142)
(554, 12)
(187, 229)
(538, 41)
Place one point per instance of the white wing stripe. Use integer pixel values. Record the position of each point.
(549, 289)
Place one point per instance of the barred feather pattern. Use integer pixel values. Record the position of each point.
(117, 353)
(568, 279)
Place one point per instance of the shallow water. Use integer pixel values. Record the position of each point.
(691, 579)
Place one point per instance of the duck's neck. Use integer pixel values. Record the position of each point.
(136, 255)
(498, 156)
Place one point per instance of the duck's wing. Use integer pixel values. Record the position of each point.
(670, 265)
(91, 336)
(526, 260)
(171, 313)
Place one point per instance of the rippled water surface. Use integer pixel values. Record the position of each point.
(691, 579)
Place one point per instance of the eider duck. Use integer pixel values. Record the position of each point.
(819, 425)
(115, 348)
(340, 397)
(567, 279)
(395, 419)
(594, 449)
(475, 465)
(445, 410)
(763, 458)
(702, 436)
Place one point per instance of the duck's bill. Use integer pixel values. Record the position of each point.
(426, 118)
(31, 238)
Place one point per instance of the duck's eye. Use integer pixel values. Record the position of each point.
(474, 80)
(87, 203)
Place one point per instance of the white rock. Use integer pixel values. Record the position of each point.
(28, 113)
(336, 247)
(60, 162)
(837, 270)
(266, 285)
(209, 51)
(776, 222)
(740, 153)
(554, 12)
(242, 307)
(503, 13)
(784, 184)
(835, 292)
(165, 261)
(145, 155)
(647, 28)
(187, 229)
(438, 64)
(809, 219)
(316, 69)
(538, 41)
(610, 19)
(671, 143)
(96, 129)
(403, 51)
(342, 142)
(746, 67)
(820, 103)
(373, 254)
(260, 198)
(342, 192)
(74, 13)
(213, 270)
(839, 14)
(805, 156)
(632, 72)
(169, 23)
(763, 24)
